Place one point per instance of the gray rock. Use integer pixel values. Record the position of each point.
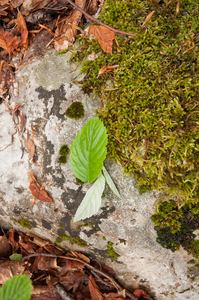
(47, 88)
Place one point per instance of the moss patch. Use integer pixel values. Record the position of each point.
(64, 150)
(111, 251)
(151, 111)
(24, 223)
(178, 231)
(75, 110)
(62, 159)
(74, 240)
(89, 224)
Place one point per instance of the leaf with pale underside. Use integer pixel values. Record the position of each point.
(88, 151)
(111, 183)
(92, 200)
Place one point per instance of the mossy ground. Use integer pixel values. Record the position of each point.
(152, 113)
(151, 103)
(73, 240)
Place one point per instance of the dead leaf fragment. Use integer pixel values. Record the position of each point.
(177, 284)
(22, 28)
(148, 17)
(94, 289)
(30, 146)
(106, 69)
(9, 42)
(104, 36)
(5, 247)
(37, 191)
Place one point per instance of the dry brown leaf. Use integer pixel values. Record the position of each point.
(37, 191)
(30, 146)
(69, 32)
(73, 265)
(104, 36)
(106, 69)
(94, 289)
(22, 28)
(9, 42)
(81, 256)
(5, 247)
(22, 122)
(177, 284)
(148, 17)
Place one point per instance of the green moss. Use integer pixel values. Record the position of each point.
(151, 113)
(75, 110)
(191, 262)
(24, 223)
(74, 240)
(89, 224)
(58, 241)
(61, 226)
(61, 52)
(56, 210)
(104, 238)
(168, 215)
(62, 159)
(64, 150)
(111, 251)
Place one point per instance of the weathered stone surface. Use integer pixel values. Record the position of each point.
(47, 88)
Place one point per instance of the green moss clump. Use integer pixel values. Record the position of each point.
(151, 111)
(168, 215)
(24, 223)
(75, 110)
(192, 262)
(58, 241)
(64, 150)
(74, 240)
(62, 159)
(104, 238)
(61, 226)
(111, 251)
(56, 210)
(184, 236)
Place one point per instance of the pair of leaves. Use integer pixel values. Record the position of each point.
(88, 152)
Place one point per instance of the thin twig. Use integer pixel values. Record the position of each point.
(99, 22)
(116, 285)
(62, 292)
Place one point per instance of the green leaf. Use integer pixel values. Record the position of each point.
(111, 183)
(16, 288)
(16, 257)
(92, 200)
(88, 151)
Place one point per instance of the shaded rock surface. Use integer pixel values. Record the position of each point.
(47, 88)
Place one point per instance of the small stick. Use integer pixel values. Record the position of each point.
(99, 22)
(62, 292)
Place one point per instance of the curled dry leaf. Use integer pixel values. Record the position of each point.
(148, 17)
(37, 191)
(22, 28)
(5, 247)
(30, 146)
(92, 7)
(104, 36)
